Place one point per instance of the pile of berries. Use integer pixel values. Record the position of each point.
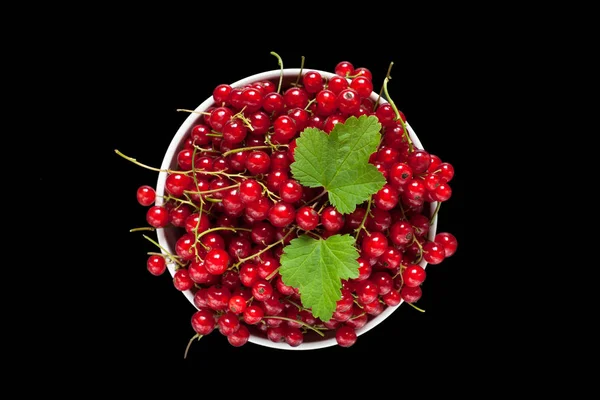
(235, 205)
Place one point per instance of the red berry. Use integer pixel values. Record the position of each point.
(216, 261)
(157, 216)
(146, 195)
(433, 252)
(203, 321)
(413, 275)
(448, 241)
(239, 337)
(182, 280)
(156, 265)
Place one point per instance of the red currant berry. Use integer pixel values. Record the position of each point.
(156, 265)
(146, 195)
(448, 241)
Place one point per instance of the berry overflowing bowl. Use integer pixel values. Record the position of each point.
(296, 209)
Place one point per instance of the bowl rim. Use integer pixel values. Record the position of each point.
(174, 147)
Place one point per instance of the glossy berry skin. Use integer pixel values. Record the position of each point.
(367, 291)
(284, 129)
(384, 282)
(228, 323)
(176, 184)
(332, 219)
(156, 265)
(313, 82)
(258, 162)
(262, 289)
(253, 314)
(362, 85)
(293, 336)
(221, 93)
(218, 117)
(448, 241)
(392, 298)
(199, 274)
(273, 103)
(307, 218)
(234, 131)
(326, 102)
(345, 302)
(401, 233)
(390, 259)
(259, 210)
(400, 174)
(364, 72)
(182, 280)
(411, 294)
(443, 192)
(217, 297)
(419, 161)
(385, 114)
(290, 191)
(281, 214)
(413, 275)
(374, 245)
(433, 252)
(348, 101)
(203, 321)
(196, 223)
(240, 337)
(146, 195)
(295, 97)
(386, 198)
(344, 68)
(157, 216)
(216, 261)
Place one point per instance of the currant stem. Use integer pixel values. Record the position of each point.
(232, 151)
(167, 198)
(415, 307)
(300, 73)
(193, 111)
(245, 120)
(202, 149)
(309, 103)
(280, 63)
(223, 228)
(381, 91)
(270, 194)
(143, 228)
(298, 306)
(364, 220)
(312, 328)
(250, 257)
(420, 249)
(317, 197)
(435, 212)
(171, 256)
(398, 117)
(213, 190)
(195, 177)
(133, 160)
(272, 274)
(187, 348)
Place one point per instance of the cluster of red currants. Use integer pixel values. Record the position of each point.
(236, 205)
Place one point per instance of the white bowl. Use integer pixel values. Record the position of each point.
(167, 236)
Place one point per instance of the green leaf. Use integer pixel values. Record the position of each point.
(317, 267)
(339, 162)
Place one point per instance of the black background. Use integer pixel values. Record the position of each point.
(136, 319)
